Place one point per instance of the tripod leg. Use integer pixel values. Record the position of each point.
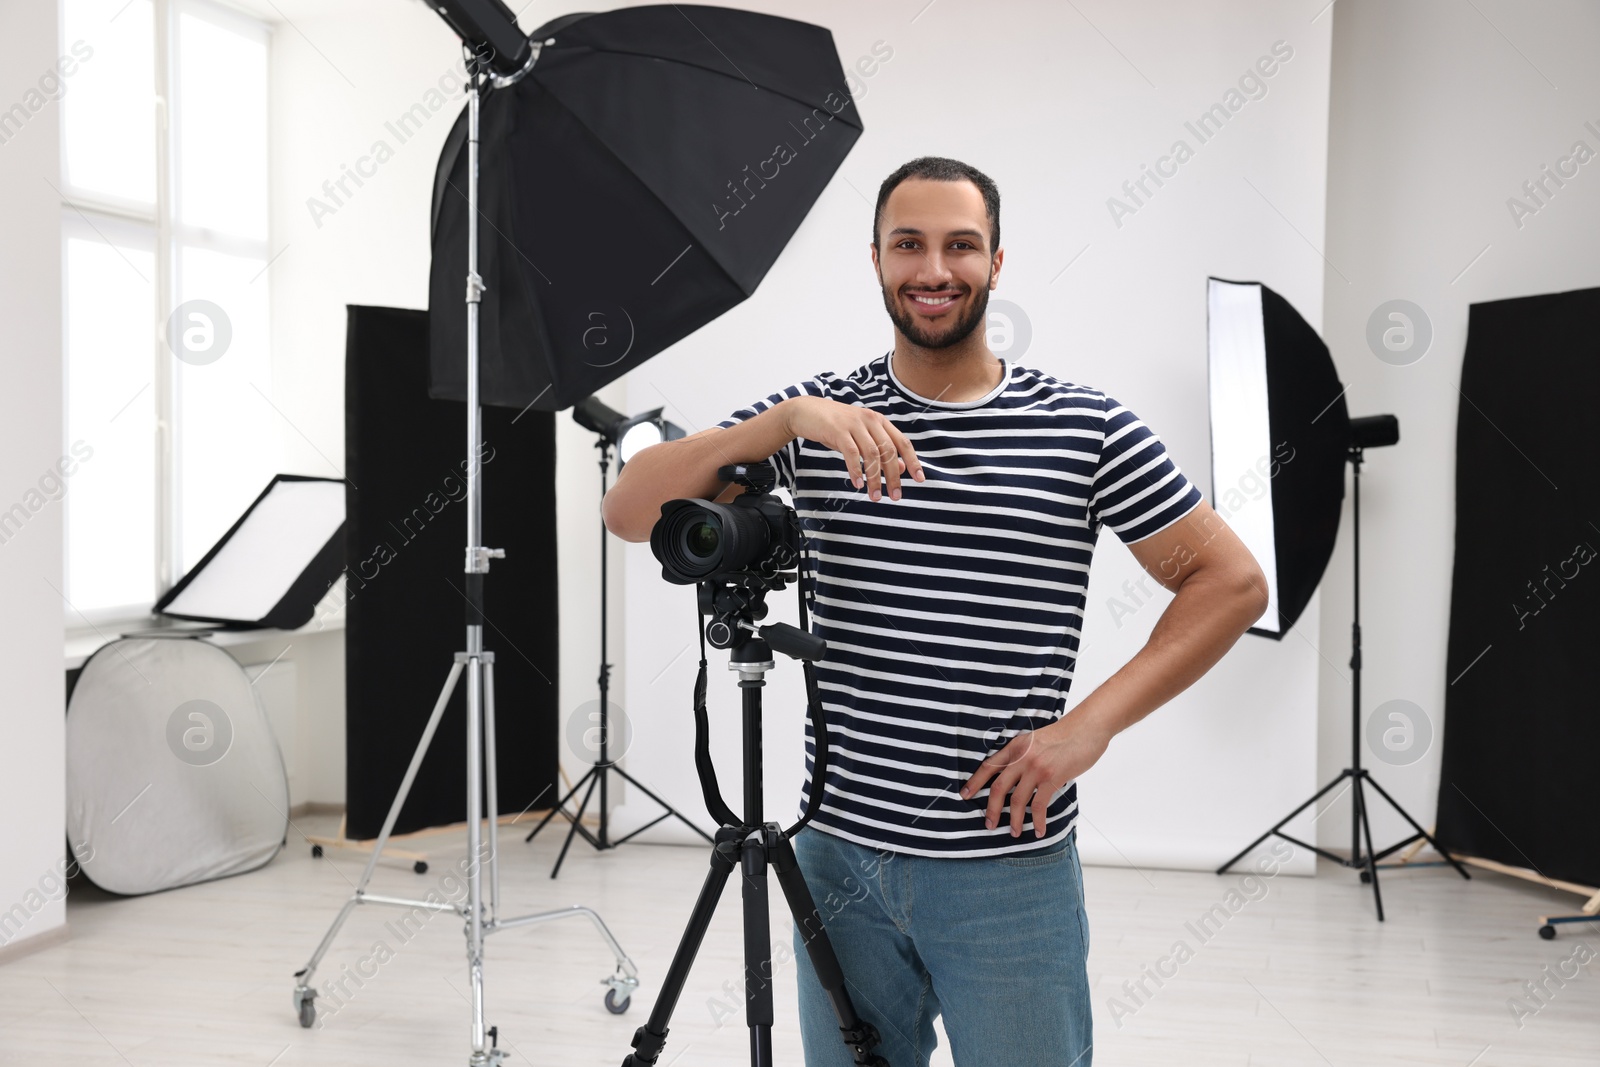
(649, 1038)
(1372, 858)
(859, 1035)
(757, 951)
(1284, 821)
(1425, 835)
(576, 822)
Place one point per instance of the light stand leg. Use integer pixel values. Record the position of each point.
(304, 993)
(1278, 829)
(411, 774)
(576, 820)
(1372, 858)
(481, 1055)
(561, 809)
(1362, 854)
(669, 813)
(1395, 804)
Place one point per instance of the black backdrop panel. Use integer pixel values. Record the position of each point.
(1522, 723)
(404, 457)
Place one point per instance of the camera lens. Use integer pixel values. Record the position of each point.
(696, 539)
(703, 538)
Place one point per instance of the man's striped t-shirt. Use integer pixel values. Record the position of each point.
(952, 615)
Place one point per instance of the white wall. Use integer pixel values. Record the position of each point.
(300, 679)
(1440, 113)
(1060, 108)
(32, 768)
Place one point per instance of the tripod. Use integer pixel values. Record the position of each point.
(755, 847)
(478, 666)
(603, 766)
(1366, 859)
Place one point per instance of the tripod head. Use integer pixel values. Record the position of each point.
(736, 605)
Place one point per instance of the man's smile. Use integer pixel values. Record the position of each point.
(933, 303)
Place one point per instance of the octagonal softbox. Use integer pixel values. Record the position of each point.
(173, 773)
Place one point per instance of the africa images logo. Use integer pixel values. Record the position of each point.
(199, 732)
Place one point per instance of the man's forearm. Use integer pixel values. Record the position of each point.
(688, 468)
(1206, 617)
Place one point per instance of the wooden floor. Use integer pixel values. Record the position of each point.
(1299, 973)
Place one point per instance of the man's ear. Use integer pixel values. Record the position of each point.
(875, 268)
(994, 268)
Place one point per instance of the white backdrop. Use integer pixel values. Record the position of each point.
(1061, 109)
(1416, 84)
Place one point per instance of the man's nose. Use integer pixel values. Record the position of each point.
(934, 270)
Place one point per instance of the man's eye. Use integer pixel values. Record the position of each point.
(907, 242)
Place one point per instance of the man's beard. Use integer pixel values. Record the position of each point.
(917, 335)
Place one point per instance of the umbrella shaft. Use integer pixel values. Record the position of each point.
(477, 559)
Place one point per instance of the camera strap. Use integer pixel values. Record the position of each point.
(702, 744)
(819, 725)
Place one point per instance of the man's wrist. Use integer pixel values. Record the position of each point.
(1093, 717)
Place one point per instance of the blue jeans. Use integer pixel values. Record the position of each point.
(997, 945)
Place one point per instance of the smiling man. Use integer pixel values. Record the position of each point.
(950, 502)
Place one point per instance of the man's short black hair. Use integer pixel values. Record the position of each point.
(940, 169)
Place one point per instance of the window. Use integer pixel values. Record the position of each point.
(164, 254)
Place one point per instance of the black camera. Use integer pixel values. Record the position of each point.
(756, 535)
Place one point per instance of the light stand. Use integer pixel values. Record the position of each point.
(610, 429)
(1372, 431)
(478, 665)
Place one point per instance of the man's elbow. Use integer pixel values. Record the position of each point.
(1252, 590)
(621, 520)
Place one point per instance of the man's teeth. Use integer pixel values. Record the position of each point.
(932, 301)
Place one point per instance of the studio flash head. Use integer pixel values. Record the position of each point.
(754, 535)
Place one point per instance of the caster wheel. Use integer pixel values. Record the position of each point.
(1547, 932)
(308, 1012)
(1366, 877)
(615, 1006)
(421, 866)
(316, 852)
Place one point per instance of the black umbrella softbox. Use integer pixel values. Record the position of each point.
(637, 183)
